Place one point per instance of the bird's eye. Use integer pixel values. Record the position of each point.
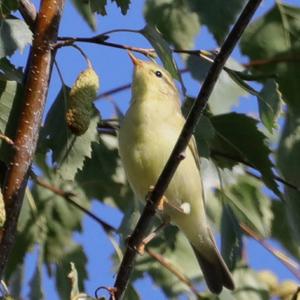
(158, 74)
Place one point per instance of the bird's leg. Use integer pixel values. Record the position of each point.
(141, 247)
(184, 208)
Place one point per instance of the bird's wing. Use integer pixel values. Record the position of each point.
(193, 147)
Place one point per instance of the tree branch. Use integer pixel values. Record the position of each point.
(27, 131)
(136, 238)
(169, 266)
(286, 261)
(68, 196)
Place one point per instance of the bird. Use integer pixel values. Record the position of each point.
(147, 135)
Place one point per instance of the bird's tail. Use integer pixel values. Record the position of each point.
(214, 269)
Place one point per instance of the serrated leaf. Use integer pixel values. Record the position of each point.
(103, 177)
(75, 254)
(238, 138)
(175, 20)
(85, 10)
(98, 6)
(123, 4)
(68, 151)
(275, 37)
(163, 51)
(231, 237)
(269, 98)
(14, 35)
(217, 15)
(226, 92)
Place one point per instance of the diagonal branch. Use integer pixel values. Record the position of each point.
(285, 260)
(137, 236)
(27, 130)
(68, 196)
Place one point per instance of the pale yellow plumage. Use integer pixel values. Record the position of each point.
(147, 136)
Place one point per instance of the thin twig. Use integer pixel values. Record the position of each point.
(169, 266)
(99, 39)
(285, 260)
(110, 229)
(68, 196)
(28, 124)
(138, 234)
(244, 162)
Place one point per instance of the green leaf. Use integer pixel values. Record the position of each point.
(9, 71)
(123, 4)
(217, 15)
(205, 131)
(131, 293)
(226, 92)
(269, 98)
(98, 6)
(250, 205)
(86, 10)
(7, 6)
(103, 177)
(232, 244)
(275, 37)
(68, 151)
(15, 282)
(288, 157)
(31, 229)
(238, 139)
(269, 102)
(75, 254)
(175, 20)
(162, 49)
(281, 229)
(10, 107)
(248, 285)
(14, 34)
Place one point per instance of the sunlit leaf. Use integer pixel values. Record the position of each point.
(175, 20)
(237, 139)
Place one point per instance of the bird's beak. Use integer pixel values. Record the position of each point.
(135, 61)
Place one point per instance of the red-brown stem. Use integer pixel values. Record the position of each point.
(27, 131)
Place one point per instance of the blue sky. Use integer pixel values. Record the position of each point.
(115, 69)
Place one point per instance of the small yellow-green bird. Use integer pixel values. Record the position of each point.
(147, 136)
